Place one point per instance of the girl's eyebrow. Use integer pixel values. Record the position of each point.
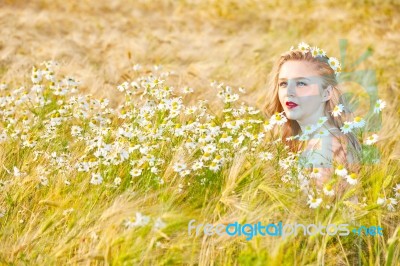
(296, 78)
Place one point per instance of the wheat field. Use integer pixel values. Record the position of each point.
(120, 122)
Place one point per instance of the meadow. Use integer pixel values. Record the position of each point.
(123, 121)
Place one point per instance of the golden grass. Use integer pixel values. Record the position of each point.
(232, 41)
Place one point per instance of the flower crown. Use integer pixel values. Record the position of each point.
(315, 52)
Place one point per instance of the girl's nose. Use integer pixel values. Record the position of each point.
(291, 89)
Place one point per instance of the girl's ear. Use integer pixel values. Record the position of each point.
(327, 93)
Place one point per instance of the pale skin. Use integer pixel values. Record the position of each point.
(300, 83)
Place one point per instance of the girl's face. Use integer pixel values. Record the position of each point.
(300, 92)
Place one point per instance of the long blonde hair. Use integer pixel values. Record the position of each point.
(292, 128)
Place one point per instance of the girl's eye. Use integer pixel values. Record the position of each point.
(301, 84)
(282, 84)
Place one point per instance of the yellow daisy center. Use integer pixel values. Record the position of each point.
(357, 119)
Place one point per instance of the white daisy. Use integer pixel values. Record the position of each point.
(313, 202)
(209, 148)
(159, 223)
(184, 173)
(43, 180)
(337, 111)
(322, 133)
(242, 90)
(76, 131)
(380, 201)
(372, 139)
(265, 156)
(309, 129)
(321, 121)
(136, 67)
(347, 127)
(3, 136)
(379, 105)
(96, 179)
(321, 52)
(179, 166)
(389, 203)
(334, 63)
(17, 172)
(214, 166)
(141, 220)
(351, 179)
(267, 125)
(187, 90)
(358, 122)
(397, 190)
(341, 171)
(304, 47)
(315, 173)
(328, 190)
(117, 181)
(278, 118)
(135, 172)
(314, 51)
(225, 138)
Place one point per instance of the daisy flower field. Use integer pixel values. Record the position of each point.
(118, 131)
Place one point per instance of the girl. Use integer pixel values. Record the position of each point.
(304, 86)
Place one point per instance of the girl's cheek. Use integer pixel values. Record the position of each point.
(309, 91)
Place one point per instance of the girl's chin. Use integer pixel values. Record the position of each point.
(292, 115)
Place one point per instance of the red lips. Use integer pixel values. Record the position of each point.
(291, 105)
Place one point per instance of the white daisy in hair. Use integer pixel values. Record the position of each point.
(314, 51)
(321, 121)
(309, 129)
(304, 47)
(347, 127)
(322, 133)
(337, 111)
(334, 63)
(321, 52)
(358, 122)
